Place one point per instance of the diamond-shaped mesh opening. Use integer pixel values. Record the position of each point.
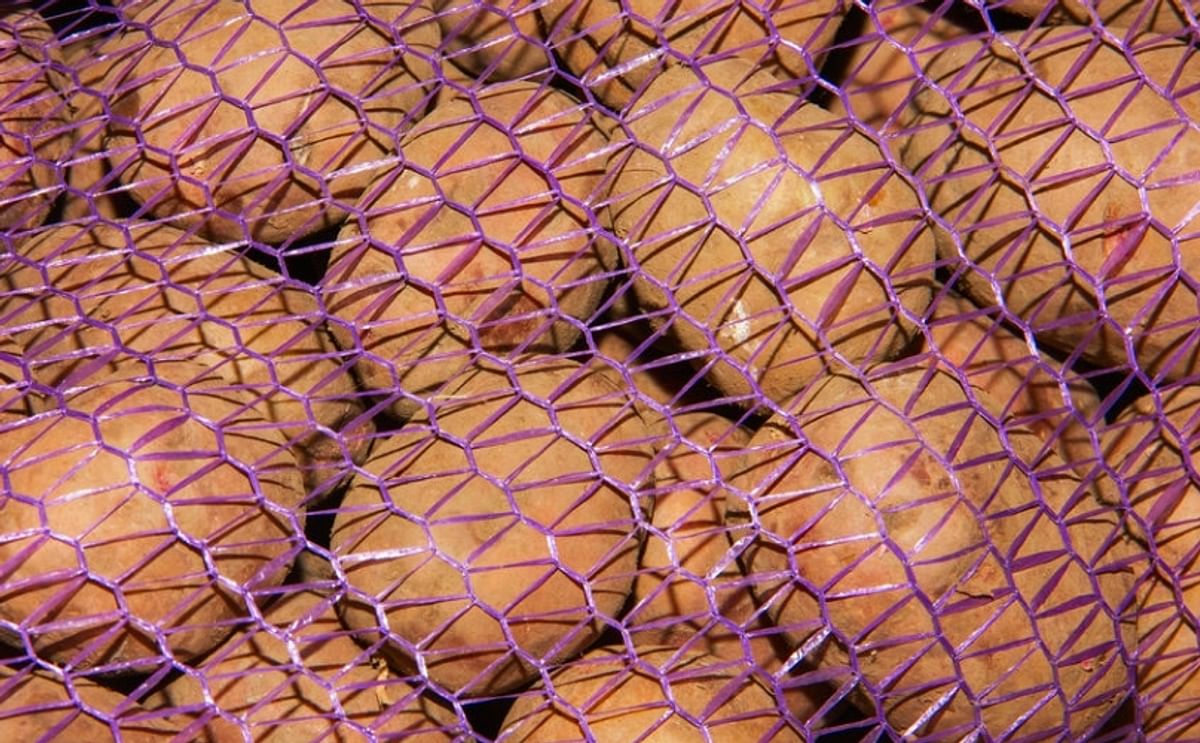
(599, 370)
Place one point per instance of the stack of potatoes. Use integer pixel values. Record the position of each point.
(542, 370)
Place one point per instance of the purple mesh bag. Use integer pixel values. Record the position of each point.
(598, 370)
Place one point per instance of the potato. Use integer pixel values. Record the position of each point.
(334, 693)
(479, 244)
(1152, 451)
(687, 544)
(881, 76)
(488, 541)
(731, 230)
(615, 52)
(625, 352)
(34, 136)
(36, 706)
(1168, 685)
(966, 593)
(1118, 15)
(81, 295)
(15, 398)
(98, 64)
(1017, 385)
(687, 551)
(132, 513)
(1076, 239)
(265, 120)
(616, 699)
(494, 39)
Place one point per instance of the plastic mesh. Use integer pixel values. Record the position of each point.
(599, 370)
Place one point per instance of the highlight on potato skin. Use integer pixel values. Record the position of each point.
(760, 266)
(486, 241)
(123, 541)
(488, 539)
(226, 124)
(904, 534)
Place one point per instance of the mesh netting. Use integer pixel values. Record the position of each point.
(599, 370)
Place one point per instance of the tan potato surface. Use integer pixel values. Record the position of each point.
(252, 130)
(1167, 16)
(615, 52)
(938, 575)
(36, 706)
(480, 542)
(766, 273)
(616, 701)
(471, 247)
(131, 512)
(1055, 219)
(501, 35)
(1019, 385)
(336, 688)
(881, 75)
(34, 135)
(221, 310)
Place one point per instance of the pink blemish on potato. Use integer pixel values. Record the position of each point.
(498, 331)
(161, 477)
(1119, 243)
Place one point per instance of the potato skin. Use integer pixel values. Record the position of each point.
(432, 527)
(1116, 15)
(253, 678)
(470, 247)
(59, 714)
(595, 38)
(74, 290)
(798, 290)
(34, 135)
(15, 395)
(88, 537)
(285, 158)
(687, 540)
(1118, 276)
(623, 701)
(927, 572)
(1152, 447)
(1016, 385)
(882, 78)
(483, 34)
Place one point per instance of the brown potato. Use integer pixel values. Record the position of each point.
(474, 576)
(627, 352)
(82, 296)
(1152, 449)
(615, 53)
(471, 247)
(757, 267)
(226, 123)
(882, 78)
(98, 64)
(131, 513)
(15, 400)
(36, 706)
(503, 36)
(616, 699)
(335, 691)
(1050, 205)
(34, 135)
(1168, 684)
(687, 551)
(966, 595)
(1018, 385)
(687, 540)
(1117, 15)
